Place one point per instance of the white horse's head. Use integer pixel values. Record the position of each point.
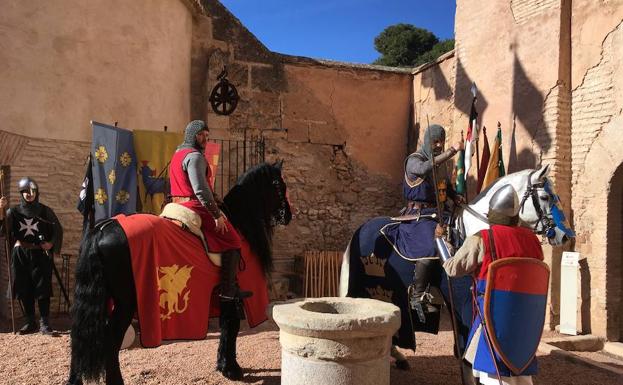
(540, 207)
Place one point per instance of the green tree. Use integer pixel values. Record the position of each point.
(437, 50)
(405, 45)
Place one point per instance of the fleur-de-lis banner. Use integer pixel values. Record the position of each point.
(114, 171)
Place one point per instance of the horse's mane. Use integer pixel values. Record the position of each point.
(247, 207)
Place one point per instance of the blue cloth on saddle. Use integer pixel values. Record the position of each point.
(413, 239)
(377, 271)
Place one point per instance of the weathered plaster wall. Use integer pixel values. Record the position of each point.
(518, 53)
(67, 62)
(597, 102)
(346, 136)
(433, 97)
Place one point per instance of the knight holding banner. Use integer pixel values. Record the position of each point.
(189, 175)
(501, 348)
(36, 234)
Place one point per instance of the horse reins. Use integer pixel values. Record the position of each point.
(547, 225)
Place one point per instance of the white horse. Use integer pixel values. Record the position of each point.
(539, 211)
(372, 268)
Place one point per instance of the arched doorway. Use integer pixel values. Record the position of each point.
(614, 260)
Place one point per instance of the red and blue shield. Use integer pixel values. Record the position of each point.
(514, 309)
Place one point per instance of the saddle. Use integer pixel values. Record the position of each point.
(189, 221)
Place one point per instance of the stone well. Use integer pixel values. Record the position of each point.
(335, 340)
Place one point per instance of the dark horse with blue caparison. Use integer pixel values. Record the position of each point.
(255, 205)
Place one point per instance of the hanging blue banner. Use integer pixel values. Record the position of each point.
(114, 171)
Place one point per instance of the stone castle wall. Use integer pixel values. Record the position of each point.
(340, 128)
(597, 105)
(548, 70)
(550, 77)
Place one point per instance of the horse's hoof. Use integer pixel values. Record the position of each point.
(231, 372)
(403, 365)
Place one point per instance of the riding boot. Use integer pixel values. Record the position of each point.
(229, 323)
(44, 311)
(29, 311)
(424, 276)
(229, 268)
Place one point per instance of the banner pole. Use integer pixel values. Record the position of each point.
(7, 255)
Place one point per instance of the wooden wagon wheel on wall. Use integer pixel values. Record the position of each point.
(224, 96)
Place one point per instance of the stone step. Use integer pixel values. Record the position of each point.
(583, 343)
(614, 349)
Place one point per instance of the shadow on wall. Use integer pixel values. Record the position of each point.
(614, 258)
(585, 295)
(528, 105)
(517, 162)
(463, 94)
(434, 78)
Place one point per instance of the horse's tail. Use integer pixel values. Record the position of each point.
(89, 311)
(345, 272)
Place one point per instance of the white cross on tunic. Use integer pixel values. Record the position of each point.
(29, 226)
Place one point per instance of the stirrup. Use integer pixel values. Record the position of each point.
(238, 296)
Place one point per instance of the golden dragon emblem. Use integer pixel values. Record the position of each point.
(172, 284)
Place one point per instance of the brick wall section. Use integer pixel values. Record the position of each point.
(596, 116)
(594, 103)
(557, 128)
(524, 10)
(58, 167)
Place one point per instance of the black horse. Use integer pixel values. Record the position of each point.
(255, 205)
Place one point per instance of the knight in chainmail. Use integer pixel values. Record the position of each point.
(36, 234)
(189, 176)
(414, 239)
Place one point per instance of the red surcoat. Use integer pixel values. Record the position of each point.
(181, 187)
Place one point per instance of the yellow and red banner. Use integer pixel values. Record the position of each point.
(212, 154)
(154, 150)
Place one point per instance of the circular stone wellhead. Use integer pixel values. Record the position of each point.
(335, 340)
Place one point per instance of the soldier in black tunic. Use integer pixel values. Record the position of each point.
(36, 235)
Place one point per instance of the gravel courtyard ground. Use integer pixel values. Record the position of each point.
(37, 359)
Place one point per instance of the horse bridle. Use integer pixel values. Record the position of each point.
(548, 226)
(282, 200)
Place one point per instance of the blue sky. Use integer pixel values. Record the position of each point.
(342, 30)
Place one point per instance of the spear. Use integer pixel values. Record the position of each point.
(7, 255)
